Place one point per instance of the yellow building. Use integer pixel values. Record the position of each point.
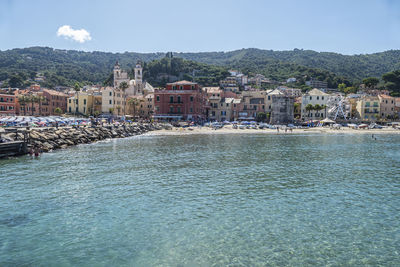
(368, 108)
(387, 106)
(84, 103)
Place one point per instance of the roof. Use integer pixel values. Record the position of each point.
(182, 83)
(276, 92)
(316, 91)
(54, 92)
(386, 96)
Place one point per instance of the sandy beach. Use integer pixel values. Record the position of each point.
(229, 130)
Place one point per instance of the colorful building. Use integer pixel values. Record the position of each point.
(181, 100)
(8, 104)
(387, 106)
(368, 108)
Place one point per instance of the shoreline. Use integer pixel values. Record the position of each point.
(229, 130)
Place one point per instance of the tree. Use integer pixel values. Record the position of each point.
(123, 86)
(111, 110)
(324, 107)
(370, 82)
(350, 90)
(40, 99)
(261, 117)
(23, 100)
(32, 99)
(341, 87)
(118, 109)
(134, 102)
(392, 82)
(58, 111)
(15, 81)
(309, 107)
(77, 90)
(318, 107)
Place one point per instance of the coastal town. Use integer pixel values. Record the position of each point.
(237, 98)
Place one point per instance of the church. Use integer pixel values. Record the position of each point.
(136, 86)
(115, 99)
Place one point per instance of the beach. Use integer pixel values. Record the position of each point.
(228, 129)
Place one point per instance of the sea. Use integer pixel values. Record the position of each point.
(205, 200)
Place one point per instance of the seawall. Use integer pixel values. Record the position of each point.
(52, 138)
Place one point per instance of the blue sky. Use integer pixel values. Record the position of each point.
(348, 27)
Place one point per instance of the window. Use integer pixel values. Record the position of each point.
(269, 97)
(310, 97)
(179, 99)
(317, 97)
(158, 98)
(191, 99)
(191, 110)
(179, 109)
(110, 102)
(84, 101)
(181, 87)
(171, 109)
(69, 101)
(171, 99)
(110, 93)
(322, 97)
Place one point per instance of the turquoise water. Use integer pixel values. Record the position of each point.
(237, 200)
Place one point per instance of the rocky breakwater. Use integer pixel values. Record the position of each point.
(52, 138)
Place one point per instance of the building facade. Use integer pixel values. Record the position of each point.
(368, 108)
(387, 107)
(181, 100)
(8, 105)
(314, 97)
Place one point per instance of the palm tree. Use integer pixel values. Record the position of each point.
(32, 99)
(324, 107)
(309, 107)
(134, 102)
(123, 86)
(40, 99)
(317, 107)
(23, 100)
(77, 90)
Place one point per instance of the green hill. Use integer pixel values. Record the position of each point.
(65, 67)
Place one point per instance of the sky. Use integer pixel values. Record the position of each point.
(342, 26)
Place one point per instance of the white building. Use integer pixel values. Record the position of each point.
(314, 97)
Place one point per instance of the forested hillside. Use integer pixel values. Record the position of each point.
(65, 67)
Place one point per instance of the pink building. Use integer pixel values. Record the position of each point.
(181, 100)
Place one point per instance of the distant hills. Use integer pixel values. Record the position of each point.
(65, 67)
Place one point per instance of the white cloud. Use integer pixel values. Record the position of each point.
(80, 36)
